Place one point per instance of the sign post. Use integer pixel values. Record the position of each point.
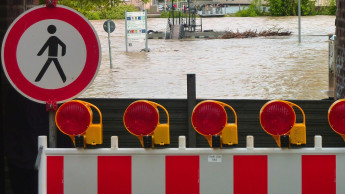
(136, 28)
(50, 54)
(299, 21)
(109, 27)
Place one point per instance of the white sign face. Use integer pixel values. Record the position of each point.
(136, 26)
(34, 39)
(51, 54)
(214, 158)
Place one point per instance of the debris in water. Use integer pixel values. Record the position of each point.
(254, 33)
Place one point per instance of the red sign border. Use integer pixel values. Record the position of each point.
(9, 54)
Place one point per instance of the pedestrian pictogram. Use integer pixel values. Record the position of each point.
(52, 44)
(51, 54)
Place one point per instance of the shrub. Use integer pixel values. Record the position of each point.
(92, 15)
(118, 12)
(288, 7)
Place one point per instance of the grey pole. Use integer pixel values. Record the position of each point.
(146, 43)
(111, 63)
(52, 129)
(191, 100)
(299, 21)
(126, 31)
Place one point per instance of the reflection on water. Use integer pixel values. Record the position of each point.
(254, 68)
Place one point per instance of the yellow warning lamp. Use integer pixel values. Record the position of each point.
(278, 118)
(209, 118)
(141, 119)
(336, 117)
(74, 118)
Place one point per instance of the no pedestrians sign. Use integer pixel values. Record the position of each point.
(51, 54)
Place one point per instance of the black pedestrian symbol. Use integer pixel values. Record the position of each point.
(52, 44)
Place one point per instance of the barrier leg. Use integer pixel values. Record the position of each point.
(42, 167)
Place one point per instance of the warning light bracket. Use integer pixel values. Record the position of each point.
(51, 105)
(51, 3)
(227, 136)
(295, 135)
(159, 136)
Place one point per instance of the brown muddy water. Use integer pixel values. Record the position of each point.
(253, 68)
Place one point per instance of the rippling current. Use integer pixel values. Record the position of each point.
(252, 68)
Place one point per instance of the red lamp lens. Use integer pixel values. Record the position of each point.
(277, 118)
(336, 117)
(209, 118)
(73, 118)
(141, 118)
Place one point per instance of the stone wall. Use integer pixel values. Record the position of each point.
(340, 50)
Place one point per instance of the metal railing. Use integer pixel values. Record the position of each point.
(187, 19)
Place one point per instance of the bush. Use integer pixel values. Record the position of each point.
(92, 15)
(118, 12)
(251, 11)
(290, 8)
(95, 10)
(254, 9)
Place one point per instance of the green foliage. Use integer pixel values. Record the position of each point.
(290, 7)
(146, 1)
(92, 15)
(307, 7)
(332, 8)
(254, 9)
(251, 11)
(118, 12)
(98, 9)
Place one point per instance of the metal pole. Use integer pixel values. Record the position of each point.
(172, 8)
(299, 21)
(188, 14)
(111, 63)
(126, 31)
(146, 42)
(335, 72)
(201, 23)
(52, 129)
(191, 100)
(24, 5)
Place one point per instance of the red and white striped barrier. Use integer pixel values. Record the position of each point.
(192, 170)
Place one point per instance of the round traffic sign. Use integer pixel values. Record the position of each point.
(109, 25)
(51, 54)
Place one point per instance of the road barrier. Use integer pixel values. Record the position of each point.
(179, 170)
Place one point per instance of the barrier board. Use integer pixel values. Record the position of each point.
(192, 170)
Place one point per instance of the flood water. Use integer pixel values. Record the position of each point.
(253, 68)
